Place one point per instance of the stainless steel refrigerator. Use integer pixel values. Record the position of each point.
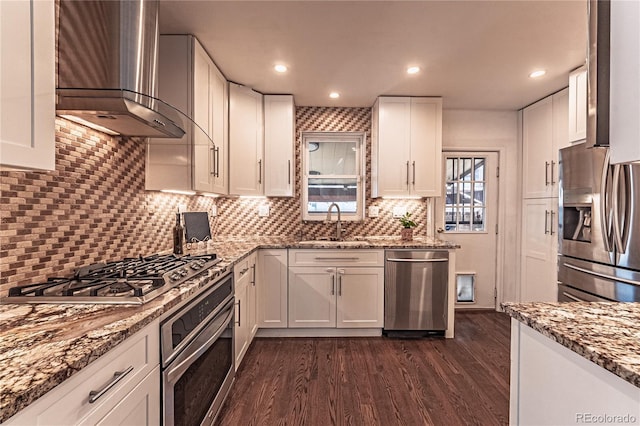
(599, 227)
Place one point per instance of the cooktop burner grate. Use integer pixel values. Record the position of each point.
(131, 280)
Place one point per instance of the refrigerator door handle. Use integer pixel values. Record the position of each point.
(604, 201)
(601, 275)
(617, 232)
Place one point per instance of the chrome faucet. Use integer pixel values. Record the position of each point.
(338, 223)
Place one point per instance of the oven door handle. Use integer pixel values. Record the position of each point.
(174, 373)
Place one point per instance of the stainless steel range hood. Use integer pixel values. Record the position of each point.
(598, 74)
(107, 68)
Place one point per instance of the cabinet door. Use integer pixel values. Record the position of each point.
(241, 329)
(220, 130)
(279, 130)
(139, 407)
(27, 85)
(360, 301)
(252, 302)
(624, 126)
(578, 105)
(537, 140)
(426, 147)
(390, 149)
(246, 166)
(560, 102)
(538, 281)
(312, 297)
(272, 288)
(203, 147)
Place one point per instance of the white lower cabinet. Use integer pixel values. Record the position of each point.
(133, 399)
(343, 295)
(552, 385)
(539, 250)
(272, 288)
(246, 320)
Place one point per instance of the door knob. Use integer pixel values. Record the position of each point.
(440, 230)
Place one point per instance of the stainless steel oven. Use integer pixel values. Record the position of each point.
(197, 357)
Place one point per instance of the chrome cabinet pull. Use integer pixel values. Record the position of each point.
(238, 322)
(289, 172)
(333, 284)
(340, 273)
(553, 163)
(546, 220)
(213, 161)
(253, 275)
(260, 171)
(217, 161)
(546, 173)
(414, 173)
(117, 376)
(336, 258)
(407, 174)
(551, 222)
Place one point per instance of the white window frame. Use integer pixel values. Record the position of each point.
(360, 139)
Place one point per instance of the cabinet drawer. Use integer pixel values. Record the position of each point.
(330, 257)
(69, 403)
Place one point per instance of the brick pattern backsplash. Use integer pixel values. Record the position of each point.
(93, 207)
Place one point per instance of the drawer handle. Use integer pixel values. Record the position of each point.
(337, 258)
(117, 376)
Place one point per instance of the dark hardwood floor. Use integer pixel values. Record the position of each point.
(377, 381)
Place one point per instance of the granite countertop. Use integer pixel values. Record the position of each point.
(606, 333)
(41, 345)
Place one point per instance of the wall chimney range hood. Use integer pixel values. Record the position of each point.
(107, 68)
(598, 73)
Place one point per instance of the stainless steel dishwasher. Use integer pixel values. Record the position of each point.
(415, 291)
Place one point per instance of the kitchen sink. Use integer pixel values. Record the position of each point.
(330, 243)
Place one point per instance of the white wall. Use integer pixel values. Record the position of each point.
(494, 130)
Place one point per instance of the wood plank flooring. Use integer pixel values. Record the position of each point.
(377, 381)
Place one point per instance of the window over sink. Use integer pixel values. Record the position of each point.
(333, 172)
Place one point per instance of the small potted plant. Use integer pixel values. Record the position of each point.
(406, 234)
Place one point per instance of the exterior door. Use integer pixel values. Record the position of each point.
(467, 215)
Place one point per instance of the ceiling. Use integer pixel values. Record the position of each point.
(475, 54)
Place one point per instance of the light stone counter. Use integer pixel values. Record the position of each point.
(42, 345)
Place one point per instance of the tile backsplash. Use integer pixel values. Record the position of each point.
(94, 207)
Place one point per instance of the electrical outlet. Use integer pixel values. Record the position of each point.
(374, 211)
(182, 207)
(399, 211)
(263, 210)
(214, 211)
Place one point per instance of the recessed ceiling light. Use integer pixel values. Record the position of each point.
(413, 70)
(334, 95)
(537, 73)
(280, 68)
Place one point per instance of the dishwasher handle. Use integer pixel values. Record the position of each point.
(417, 260)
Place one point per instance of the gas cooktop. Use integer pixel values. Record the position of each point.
(129, 281)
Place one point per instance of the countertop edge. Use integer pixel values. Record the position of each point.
(591, 354)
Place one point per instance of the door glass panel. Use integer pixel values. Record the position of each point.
(465, 189)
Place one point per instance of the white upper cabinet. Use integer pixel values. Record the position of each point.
(624, 114)
(189, 81)
(544, 133)
(279, 131)
(27, 84)
(211, 114)
(578, 105)
(406, 147)
(246, 163)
